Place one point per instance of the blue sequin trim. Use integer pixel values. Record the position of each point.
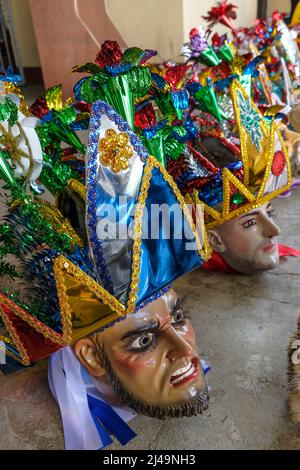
(153, 297)
(101, 108)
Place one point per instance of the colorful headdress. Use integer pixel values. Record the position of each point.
(76, 290)
(258, 168)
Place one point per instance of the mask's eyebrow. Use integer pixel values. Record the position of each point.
(249, 214)
(253, 213)
(178, 304)
(269, 206)
(150, 328)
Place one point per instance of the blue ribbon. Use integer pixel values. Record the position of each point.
(117, 69)
(108, 422)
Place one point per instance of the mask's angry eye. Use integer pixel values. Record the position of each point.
(178, 316)
(142, 343)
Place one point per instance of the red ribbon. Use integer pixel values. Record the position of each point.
(217, 262)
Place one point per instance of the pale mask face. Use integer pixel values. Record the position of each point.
(248, 243)
(151, 359)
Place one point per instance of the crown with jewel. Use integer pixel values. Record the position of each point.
(249, 159)
(76, 285)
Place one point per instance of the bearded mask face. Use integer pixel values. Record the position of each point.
(150, 359)
(248, 243)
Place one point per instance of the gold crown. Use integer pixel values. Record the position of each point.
(266, 166)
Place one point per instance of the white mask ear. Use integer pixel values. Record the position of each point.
(216, 241)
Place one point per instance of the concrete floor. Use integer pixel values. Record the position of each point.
(243, 325)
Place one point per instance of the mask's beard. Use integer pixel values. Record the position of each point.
(195, 406)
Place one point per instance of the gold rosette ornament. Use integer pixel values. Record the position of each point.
(115, 150)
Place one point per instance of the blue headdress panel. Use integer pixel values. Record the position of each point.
(122, 177)
(169, 248)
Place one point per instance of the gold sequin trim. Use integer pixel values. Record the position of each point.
(77, 187)
(194, 199)
(24, 358)
(36, 324)
(228, 178)
(137, 233)
(6, 340)
(3, 342)
(203, 249)
(269, 162)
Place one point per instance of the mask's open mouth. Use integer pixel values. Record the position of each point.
(186, 373)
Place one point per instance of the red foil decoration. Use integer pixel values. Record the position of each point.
(39, 108)
(203, 160)
(67, 152)
(175, 74)
(222, 13)
(145, 117)
(109, 54)
(83, 106)
(193, 32)
(177, 167)
(216, 40)
(277, 16)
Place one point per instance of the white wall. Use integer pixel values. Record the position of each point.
(165, 24)
(158, 24)
(25, 33)
(281, 5)
(150, 24)
(195, 9)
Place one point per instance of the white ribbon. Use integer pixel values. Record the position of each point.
(67, 386)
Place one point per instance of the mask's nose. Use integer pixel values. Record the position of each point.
(178, 347)
(270, 228)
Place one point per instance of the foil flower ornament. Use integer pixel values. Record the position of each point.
(198, 40)
(109, 54)
(175, 75)
(56, 119)
(118, 78)
(115, 150)
(197, 44)
(154, 138)
(9, 76)
(198, 49)
(206, 97)
(19, 141)
(168, 90)
(222, 13)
